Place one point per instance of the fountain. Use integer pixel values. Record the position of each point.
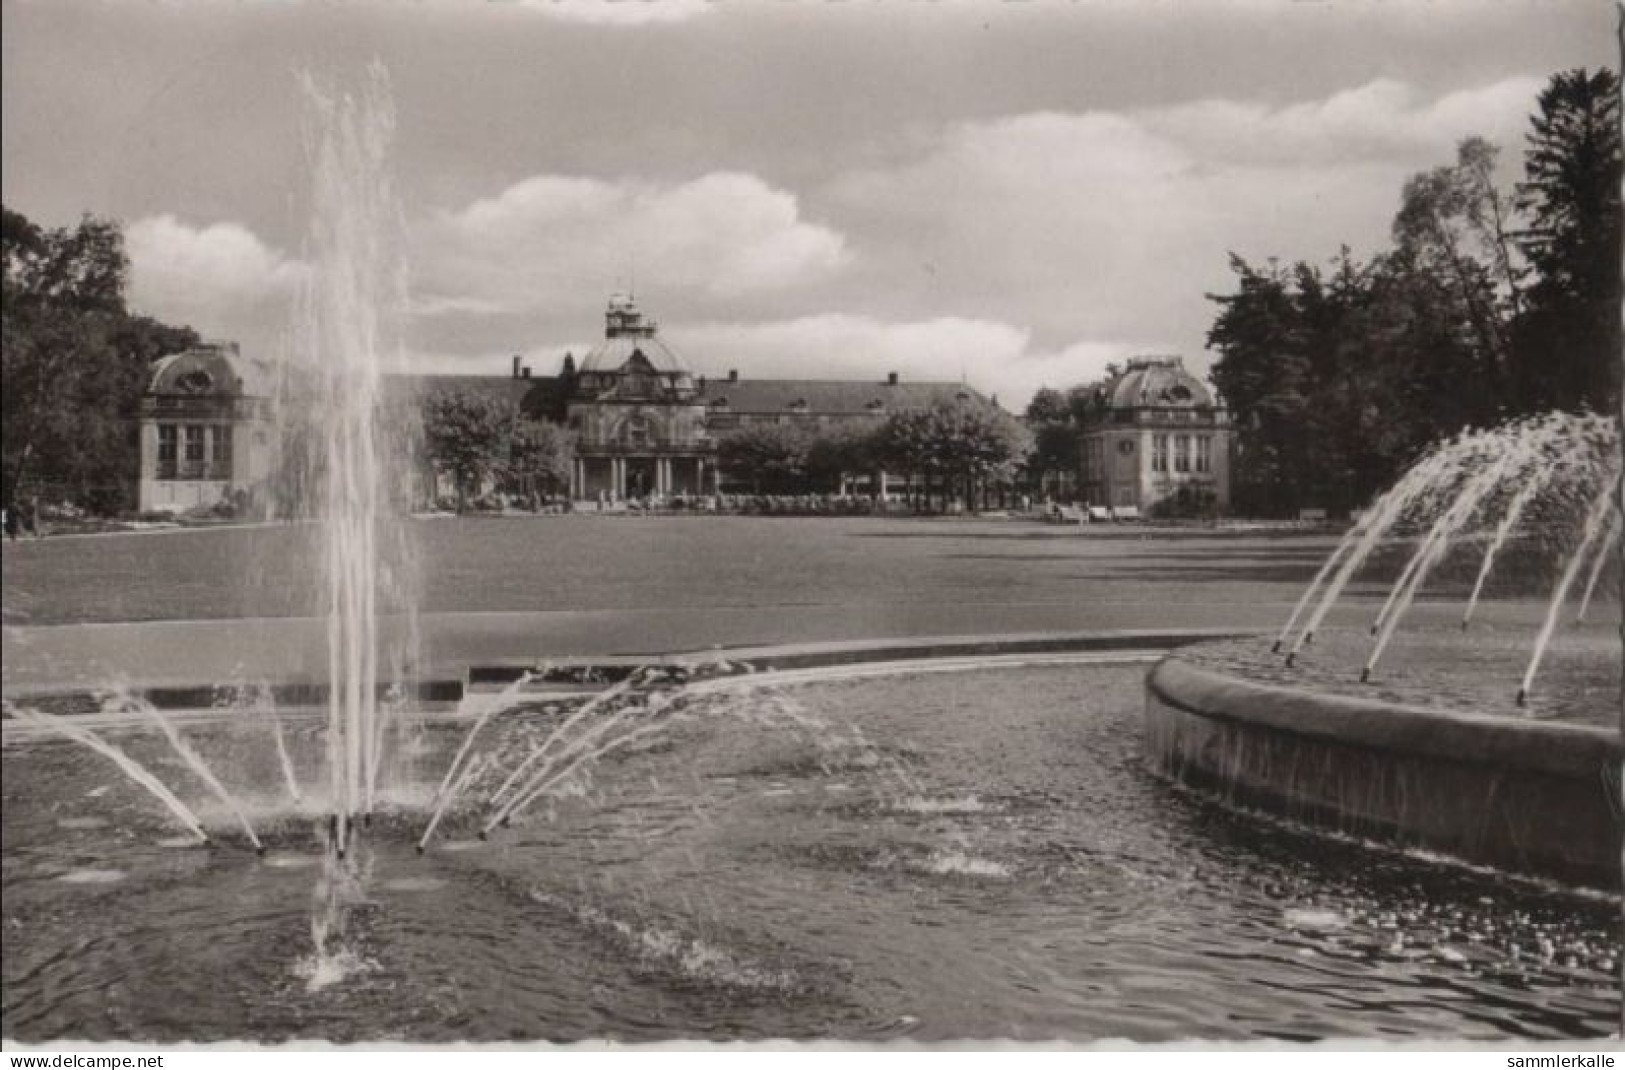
(1450, 750)
(682, 847)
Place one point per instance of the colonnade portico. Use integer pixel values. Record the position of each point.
(619, 477)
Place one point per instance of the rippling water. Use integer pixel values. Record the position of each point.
(977, 854)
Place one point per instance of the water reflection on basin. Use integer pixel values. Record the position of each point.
(968, 854)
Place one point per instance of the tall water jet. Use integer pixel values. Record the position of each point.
(348, 451)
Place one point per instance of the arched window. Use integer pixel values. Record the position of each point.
(637, 431)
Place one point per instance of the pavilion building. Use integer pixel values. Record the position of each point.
(205, 429)
(1154, 437)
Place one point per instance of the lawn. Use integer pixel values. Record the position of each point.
(564, 563)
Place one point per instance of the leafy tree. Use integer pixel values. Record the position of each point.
(467, 437)
(1451, 231)
(540, 456)
(74, 361)
(838, 452)
(1048, 406)
(1569, 340)
(956, 448)
(1056, 449)
(771, 457)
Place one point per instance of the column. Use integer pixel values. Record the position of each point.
(618, 478)
(663, 476)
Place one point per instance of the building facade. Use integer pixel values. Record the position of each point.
(205, 427)
(1154, 439)
(646, 426)
(638, 415)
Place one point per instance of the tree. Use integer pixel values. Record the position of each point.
(1452, 231)
(540, 456)
(467, 437)
(956, 448)
(771, 457)
(1048, 406)
(839, 452)
(74, 361)
(1569, 340)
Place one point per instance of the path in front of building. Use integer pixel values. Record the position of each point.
(232, 606)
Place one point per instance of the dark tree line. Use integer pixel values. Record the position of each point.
(1489, 306)
(75, 363)
(961, 451)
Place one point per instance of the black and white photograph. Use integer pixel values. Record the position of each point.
(884, 525)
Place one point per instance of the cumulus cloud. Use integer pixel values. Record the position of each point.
(1114, 225)
(219, 278)
(722, 236)
(1381, 120)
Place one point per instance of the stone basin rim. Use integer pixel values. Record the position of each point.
(445, 687)
(1487, 739)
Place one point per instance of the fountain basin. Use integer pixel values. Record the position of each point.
(1535, 797)
(931, 855)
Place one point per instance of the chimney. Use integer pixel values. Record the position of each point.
(524, 373)
(891, 379)
(516, 365)
(733, 375)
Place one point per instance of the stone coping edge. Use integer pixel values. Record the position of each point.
(182, 695)
(864, 651)
(1566, 750)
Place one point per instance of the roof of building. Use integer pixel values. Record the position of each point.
(1157, 382)
(832, 397)
(813, 396)
(213, 369)
(628, 333)
(611, 353)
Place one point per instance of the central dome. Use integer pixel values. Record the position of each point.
(629, 334)
(1157, 383)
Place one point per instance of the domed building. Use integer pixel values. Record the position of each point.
(205, 429)
(637, 414)
(1155, 438)
(647, 427)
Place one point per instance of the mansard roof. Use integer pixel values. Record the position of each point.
(1157, 382)
(829, 397)
(212, 369)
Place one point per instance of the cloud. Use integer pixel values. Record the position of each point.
(621, 12)
(1113, 226)
(721, 237)
(215, 278)
(1381, 120)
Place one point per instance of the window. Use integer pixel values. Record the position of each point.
(1182, 453)
(221, 459)
(168, 450)
(1159, 453)
(192, 468)
(1204, 453)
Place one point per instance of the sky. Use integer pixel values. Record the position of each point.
(1013, 193)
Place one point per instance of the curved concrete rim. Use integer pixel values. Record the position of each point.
(787, 663)
(1478, 739)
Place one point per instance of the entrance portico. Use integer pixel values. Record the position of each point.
(633, 476)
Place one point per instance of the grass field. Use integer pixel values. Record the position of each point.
(551, 564)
